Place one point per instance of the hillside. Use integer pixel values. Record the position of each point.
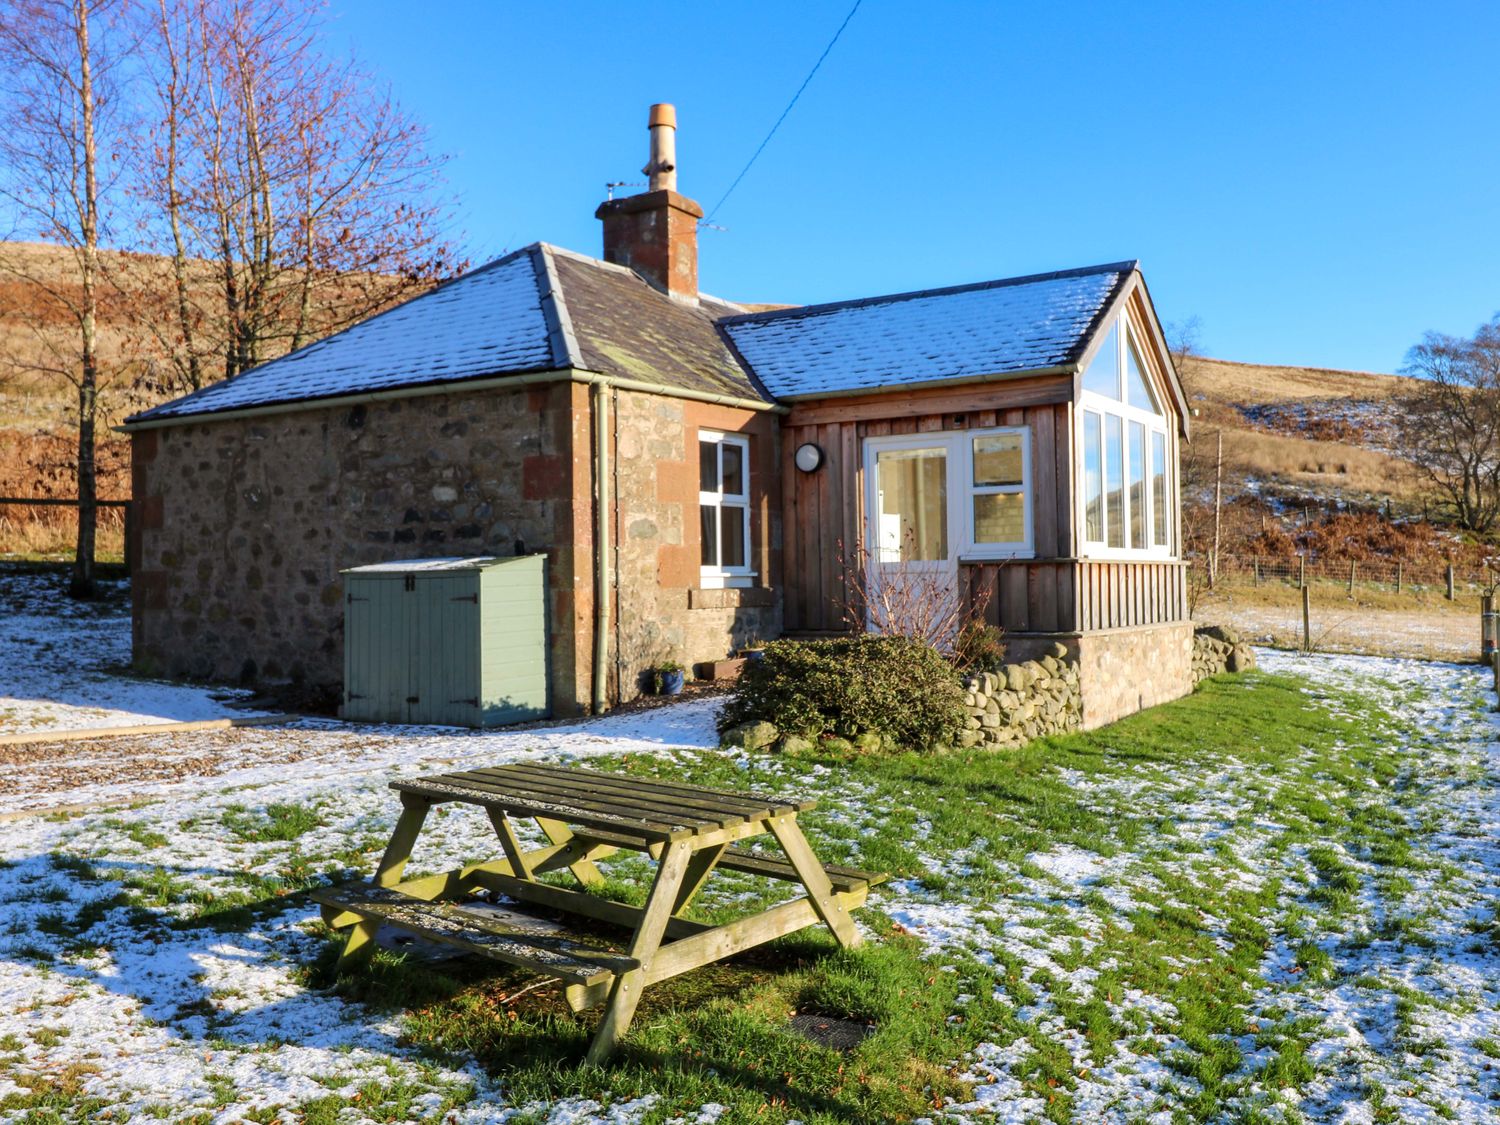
(1293, 435)
(1301, 433)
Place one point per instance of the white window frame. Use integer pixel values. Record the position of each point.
(723, 577)
(958, 446)
(1089, 402)
(970, 549)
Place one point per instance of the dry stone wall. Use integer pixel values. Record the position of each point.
(1024, 701)
(1216, 650)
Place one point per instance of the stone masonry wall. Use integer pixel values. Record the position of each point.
(1122, 671)
(662, 610)
(1217, 650)
(246, 523)
(1023, 701)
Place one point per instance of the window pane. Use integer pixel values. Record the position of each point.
(1093, 477)
(912, 505)
(997, 459)
(1103, 374)
(708, 466)
(1114, 480)
(1159, 487)
(734, 469)
(1136, 390)
(708, 533)
(732, 530)
(1137, 485)
(1000, 518)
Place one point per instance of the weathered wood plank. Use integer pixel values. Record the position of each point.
(540, 947)
(1019, 392)
(835, 915)
(625, 993)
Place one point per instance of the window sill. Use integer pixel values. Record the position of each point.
(732, 597)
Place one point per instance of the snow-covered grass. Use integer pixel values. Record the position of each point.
(62, 659)
(1276, 900)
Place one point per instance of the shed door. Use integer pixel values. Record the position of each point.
(910, 536)
(444, 657)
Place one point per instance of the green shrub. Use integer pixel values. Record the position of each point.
(979, 648)
(895, 687)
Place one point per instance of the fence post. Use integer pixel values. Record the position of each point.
(1352, 565)
(1486, 627)
(1450, 582)
(1257, 570)
(1398, 577)
(1302, 571)
(1306, 619)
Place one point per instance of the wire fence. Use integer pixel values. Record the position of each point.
(1377, 606)
(1394, 576)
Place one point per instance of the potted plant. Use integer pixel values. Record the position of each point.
(753, 650)
(669, 677)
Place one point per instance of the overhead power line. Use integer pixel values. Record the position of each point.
(756, 155)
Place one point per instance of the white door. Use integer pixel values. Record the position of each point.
(911, 538)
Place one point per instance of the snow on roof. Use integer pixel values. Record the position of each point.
(1016, 325)
(487, 322)
(408, 566)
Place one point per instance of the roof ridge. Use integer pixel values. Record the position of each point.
(560, 337)
(1124, 266)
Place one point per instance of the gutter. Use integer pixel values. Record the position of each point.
(500, 382)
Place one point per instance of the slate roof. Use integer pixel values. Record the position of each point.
(487, 321)
(542, 308)
(504, 318)
(936, 335)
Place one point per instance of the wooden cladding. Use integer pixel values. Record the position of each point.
(823, 511)
(1076, 595)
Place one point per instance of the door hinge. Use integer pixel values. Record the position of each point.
(414, 699)
(352, 599)
(466, 598)
(349, 695)
(411, 582)
(470, 702)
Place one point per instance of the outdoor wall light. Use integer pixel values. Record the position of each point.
(809, 457)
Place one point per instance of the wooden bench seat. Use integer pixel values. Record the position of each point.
(539, 947)
(842, 878)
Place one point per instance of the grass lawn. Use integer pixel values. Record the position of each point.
(1277, 899)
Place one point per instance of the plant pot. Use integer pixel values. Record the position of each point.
(669, 683)
(754, 655)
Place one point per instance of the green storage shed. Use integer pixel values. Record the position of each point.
(461, 642)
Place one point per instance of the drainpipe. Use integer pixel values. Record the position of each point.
(601, 548)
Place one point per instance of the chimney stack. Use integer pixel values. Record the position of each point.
(656, 233)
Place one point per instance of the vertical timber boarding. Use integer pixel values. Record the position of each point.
(463, 645)
(1053, 592)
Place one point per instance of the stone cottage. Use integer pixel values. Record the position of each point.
(697, 474)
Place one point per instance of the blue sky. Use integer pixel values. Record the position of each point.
(1318, 183)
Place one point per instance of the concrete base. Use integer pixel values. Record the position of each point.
(1120, 671)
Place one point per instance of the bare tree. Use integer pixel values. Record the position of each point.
(293, 196)
(55, 89)
(1448, 423)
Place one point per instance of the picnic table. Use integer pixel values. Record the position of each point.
(587, 816)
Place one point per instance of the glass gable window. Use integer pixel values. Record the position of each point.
(724, 509)
(1126, 495)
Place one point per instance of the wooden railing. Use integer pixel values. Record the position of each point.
(1077, 595)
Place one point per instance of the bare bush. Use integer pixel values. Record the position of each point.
(903, 598)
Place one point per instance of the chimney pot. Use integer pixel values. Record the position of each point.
(656, 233)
